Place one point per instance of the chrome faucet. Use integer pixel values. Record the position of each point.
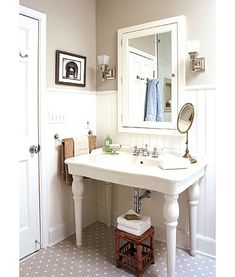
(145, 150)
(141, 151)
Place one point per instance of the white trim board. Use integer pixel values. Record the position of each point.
(104, 92)
(205, 245)
(70, 90)
(65, 229)
(41, 17)
(109, 92)
(200, 87)
(60, 232)
(186, 88)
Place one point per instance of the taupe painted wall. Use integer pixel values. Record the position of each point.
(200, 25)
(70, 27)
(89, 28)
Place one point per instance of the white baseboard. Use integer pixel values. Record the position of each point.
(88, 217)
(61, 231)
(66, 229)
(100, 214)
(205, 245)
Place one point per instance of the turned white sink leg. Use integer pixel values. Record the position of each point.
(171, 214)
(193, 196)
(78, 188)
(108, 200)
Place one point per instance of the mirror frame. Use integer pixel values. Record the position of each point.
(180, 112)
(179, 21)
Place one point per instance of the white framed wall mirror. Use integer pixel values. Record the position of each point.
(151, 76)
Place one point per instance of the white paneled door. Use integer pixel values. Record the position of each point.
(29, 228)
(141, 67)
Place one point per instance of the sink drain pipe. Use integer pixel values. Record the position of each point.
(138, 198)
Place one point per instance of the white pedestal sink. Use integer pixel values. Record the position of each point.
(142, 172)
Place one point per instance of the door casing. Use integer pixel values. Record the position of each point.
(41, 17)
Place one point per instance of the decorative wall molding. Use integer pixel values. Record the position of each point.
(200, 87)
(187, 88)
(201, 138)
(70, 90)
(104, 92)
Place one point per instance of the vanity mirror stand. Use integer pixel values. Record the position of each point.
(184, 123)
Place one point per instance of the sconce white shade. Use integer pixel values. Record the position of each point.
(193, 46)
(104, 59)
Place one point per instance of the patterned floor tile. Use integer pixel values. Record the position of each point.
(97, 258)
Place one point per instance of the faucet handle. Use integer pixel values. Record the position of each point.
(155, 153)
(135, 151)
(146, 147)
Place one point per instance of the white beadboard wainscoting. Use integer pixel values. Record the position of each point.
(100, 108)
(201, 142)
(77, 107)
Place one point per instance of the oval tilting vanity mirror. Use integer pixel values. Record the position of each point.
(184, 123)
(150, 75)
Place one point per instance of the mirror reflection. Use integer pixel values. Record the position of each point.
(150, 76)
(150, 70)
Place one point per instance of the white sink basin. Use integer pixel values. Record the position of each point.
(132, 170)
(125, 160)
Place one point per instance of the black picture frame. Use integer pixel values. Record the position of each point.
(70, 69)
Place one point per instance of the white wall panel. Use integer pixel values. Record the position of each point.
(201, 142)
(101, 110)
(77, 107)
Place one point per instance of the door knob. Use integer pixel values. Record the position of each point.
(34, 149)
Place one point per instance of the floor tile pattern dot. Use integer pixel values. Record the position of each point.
(97, 258)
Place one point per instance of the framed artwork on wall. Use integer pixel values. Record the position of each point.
(70, 69)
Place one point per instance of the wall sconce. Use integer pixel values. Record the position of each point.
(198, 64)
(107, 74)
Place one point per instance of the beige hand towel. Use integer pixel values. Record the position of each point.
(81, 145)
(67, 151)
(92, 142)
(74, 147)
